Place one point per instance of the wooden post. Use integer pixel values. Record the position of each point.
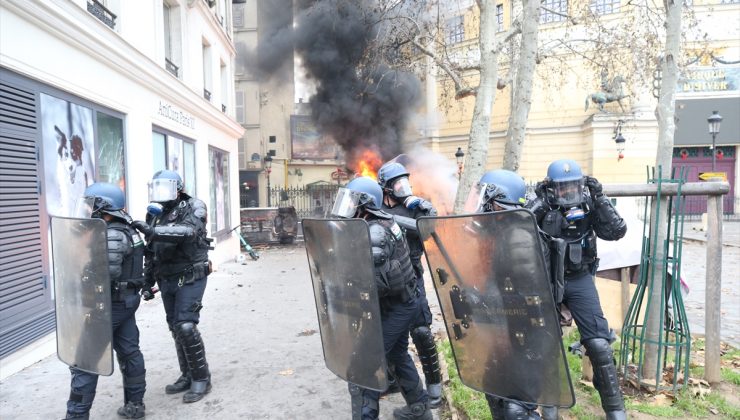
(713, 292)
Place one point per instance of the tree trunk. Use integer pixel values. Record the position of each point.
(480, 127)
(665, 113)
(522, 100)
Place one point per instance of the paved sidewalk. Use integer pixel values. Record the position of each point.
(730, 232)
(261, 337)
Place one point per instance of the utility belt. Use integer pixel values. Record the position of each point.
(410, 292)
(121, 289)
(190, 274)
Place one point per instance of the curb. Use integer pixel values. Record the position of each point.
(446, 380)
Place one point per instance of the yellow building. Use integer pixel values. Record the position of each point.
(559, 127)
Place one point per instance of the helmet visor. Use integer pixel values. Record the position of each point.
(162, 190)
(402, 187)
(345, 204)
(567, 193)
(84, 207)
(476, 198)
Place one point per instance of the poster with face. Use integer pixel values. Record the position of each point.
(68, 143)
(219, 189)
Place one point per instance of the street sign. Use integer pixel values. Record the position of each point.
(709, 176)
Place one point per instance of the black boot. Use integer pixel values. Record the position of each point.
(132, 410)
(183, 382)
(77, 416)
(415, 411)
(195, 353)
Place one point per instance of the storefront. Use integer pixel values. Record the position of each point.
(82, 104)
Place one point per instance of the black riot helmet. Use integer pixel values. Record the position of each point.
(102, 198)
(393, 178)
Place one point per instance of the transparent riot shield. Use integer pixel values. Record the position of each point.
(82, 294)
(491, 281)
(340, 260)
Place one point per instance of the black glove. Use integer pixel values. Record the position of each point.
(148, 292)
(541, 188)
(594, 186)
(143, 227)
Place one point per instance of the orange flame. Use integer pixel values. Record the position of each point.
(367, 162)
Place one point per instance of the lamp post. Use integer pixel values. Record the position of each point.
(619, 139)
(268, 169)
(459, 156)
(714, 121)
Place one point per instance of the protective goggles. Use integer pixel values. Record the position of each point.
(162, 190)
(567, 193)
(402, 187)
(346, 203)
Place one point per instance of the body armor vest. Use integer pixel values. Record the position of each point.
(579, 237)
(399, 280)
(175, 258)
(132, 267)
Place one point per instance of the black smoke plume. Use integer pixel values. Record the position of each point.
(360, 100)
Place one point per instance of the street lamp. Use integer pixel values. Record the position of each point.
(619, 139)
(268, 169)
(459, 156)
(714, 121)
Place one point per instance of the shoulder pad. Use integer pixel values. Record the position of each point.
(199, 208)
(377, 235)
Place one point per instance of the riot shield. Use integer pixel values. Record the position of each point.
(340, 260)
(82, 294)
(491, 281)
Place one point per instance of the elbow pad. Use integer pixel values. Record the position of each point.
(609, 224)
(174, 233)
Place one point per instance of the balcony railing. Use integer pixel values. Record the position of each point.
(102, 13)
(223, 108)
(207, 94)
(171, 67)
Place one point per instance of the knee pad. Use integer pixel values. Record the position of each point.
(185, 331)
(427, 351)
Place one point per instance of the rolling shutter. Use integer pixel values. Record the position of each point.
(26, 310)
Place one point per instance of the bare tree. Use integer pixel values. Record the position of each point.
(522, 98)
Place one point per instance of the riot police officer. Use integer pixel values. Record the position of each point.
(396, 281)
(572, 216)
(125, 266)
(393, 178)
(500, 190)
(177, 259)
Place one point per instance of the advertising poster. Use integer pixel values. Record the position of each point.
(219, 162)
(68, 145)
(308, 143)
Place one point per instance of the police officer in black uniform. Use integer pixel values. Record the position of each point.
(398, 199)
(177, 259)
(572, 216)
(500, 190)
(399, 305)
(125, 265)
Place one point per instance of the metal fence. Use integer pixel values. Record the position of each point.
(313, 200)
